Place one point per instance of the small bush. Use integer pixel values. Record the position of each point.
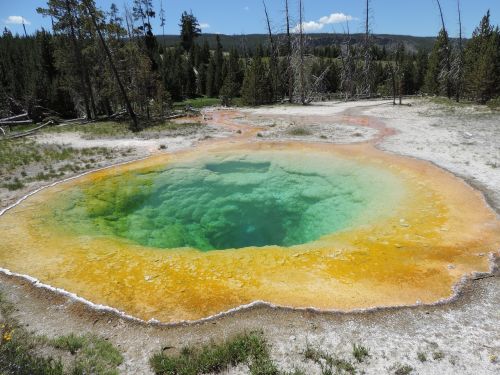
(312, 354)
(403, 370)
(494, 104)
(360, 352)
(17, 348)
(247, 348)
(198, 103)
(296, 372)
(16, 185)
(19, 351)
(93, 355)
(328, 363)
(97, 356)
(16, 358)
(437, 355)
(299, 132)
(71, 343)
(421, 357)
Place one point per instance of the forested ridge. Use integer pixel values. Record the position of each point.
(99, 63)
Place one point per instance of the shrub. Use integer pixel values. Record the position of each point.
(299, 132)
(403, 370)
(248, 348)
(359, 352)
(421, 357)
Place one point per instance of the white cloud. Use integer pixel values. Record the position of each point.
(335, 18)
(204, 26)
(16, 20)
(309, 26)
(323, 21)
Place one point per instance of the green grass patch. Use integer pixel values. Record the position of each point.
(23, 161)
(422, 357)
(437, 355)
(108, 129)
(94, 355)
(71, 343)
(299, 132)
(20, 351)
(18, 153)
(494, 104)
(197, 103)
(403, 370)
(450, 103)
(17, 348)
(12, 186)
(329, 364)
(97, 129)
(360, 353)
(250, 349)
(17, 358)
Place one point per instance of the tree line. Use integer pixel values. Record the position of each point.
(96, 63)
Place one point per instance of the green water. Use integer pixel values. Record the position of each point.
(231, 201)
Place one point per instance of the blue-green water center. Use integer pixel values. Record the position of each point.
(231, 201)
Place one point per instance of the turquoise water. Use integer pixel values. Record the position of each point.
(231, 201)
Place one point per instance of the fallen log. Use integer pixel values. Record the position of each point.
(28, 132)
(172, 117)
(82, 120)
(13, 118)
(118, 114)
(13, 123)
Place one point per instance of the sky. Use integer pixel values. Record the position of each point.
(404, 17)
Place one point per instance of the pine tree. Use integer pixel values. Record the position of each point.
(201, 81)
(210, 86)
(219, 66)
(190, 30)
(256, 89)
(204, 55)
(482, 68)
(229, 89)
(189, 79)
(71, 21)
(232, 84)
(436, 80)
(421, 61)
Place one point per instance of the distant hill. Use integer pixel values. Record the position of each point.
(412, 43)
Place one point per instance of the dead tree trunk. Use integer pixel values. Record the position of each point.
(273, 69)
(393, 80)
(302, 76)
(24, 28)
(79, 59)
(459, 58)
(446, 71)
(289, 53)
(367, 71)
(348, 66)
(135, 124)
(399, 73)
(129, 22)
(400, 91)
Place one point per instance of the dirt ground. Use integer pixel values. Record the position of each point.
(459, 337)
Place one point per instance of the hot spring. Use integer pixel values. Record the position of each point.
(231, 201)
(190, 235)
